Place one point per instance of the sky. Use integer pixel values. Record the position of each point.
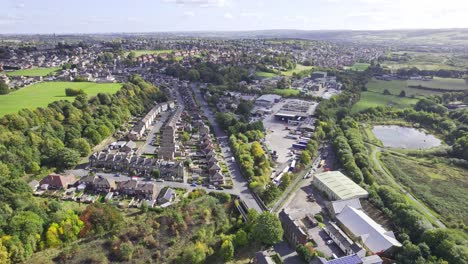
(104, 16)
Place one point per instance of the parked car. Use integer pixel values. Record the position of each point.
(193, 184)
(329, 242)
(220, 188)
(211, 187)
(160, 180)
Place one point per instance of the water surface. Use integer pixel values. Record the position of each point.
(405, 137)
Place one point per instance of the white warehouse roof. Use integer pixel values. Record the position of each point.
(373, 235)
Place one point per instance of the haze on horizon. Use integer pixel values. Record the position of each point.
(103, 16)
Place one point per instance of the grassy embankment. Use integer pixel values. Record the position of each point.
(44, 93)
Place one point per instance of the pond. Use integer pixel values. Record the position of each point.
(405, 137)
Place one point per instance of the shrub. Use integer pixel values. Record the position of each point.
(74, 92)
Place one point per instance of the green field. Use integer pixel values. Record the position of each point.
(42, 94)
(439, 185)
(147, 52)
(427, 61)
(265, 74)
(286, 92)
(441, 83)
(33, 72)
(359, 67)
(396, 86)
(373, 99)
(299, 68)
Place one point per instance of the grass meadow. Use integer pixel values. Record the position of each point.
(299, 68)
(147, 52)
(286, 92)
(33, 72)
(359, 67)
(434, 182)
(374, 96)
(373, 99)
(44, 93)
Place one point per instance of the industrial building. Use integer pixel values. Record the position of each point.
(366, 231)
(337, 186)
(296, 110)
(267, 100)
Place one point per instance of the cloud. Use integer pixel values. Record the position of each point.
(200, 3)
(252, 15)
(20, 6)
(10, 19)
(189, 14)
(228, 16)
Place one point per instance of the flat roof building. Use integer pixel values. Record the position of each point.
(338, 187)
(267, 100)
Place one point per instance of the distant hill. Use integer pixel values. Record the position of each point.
(416, 36)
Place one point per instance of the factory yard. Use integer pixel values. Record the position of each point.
(281, 134)
(276, 134)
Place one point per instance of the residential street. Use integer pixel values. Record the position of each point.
(161, 185)
(241, 185)
(147, 148)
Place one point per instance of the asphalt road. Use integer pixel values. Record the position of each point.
(390, 178)
(147, 147)
(241, 185)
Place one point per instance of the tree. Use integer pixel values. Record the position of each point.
(304, 253)
(4, 89)
(104, 98)
(402, 93)
(4, 258)
(156, 174)
(184, 136)
(131, 55)
(74, 92)
(386, 92)
(66, 158)
(52, 236)
(101, 219)
(305, 157)
(267, 229)
(285, 181)
(82, 146)
(256, 150)
(193, 75)
(227, 250)
(126, 251)
(244, 108)
(241, 239)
